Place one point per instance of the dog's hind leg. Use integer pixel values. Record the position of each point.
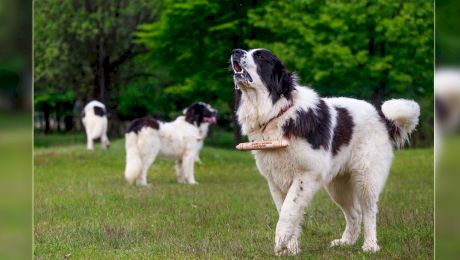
(149, 146)
(343, 193)
(89, 139)
(180, 171)
(133, 158)
(147, 161)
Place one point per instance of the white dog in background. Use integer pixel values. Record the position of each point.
(180, 140)
(447, 103)
(342, 144)
(94, 118)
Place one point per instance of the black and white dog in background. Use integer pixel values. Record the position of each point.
(94, 118)
(447, 104)
(180, 140)
(342, 144)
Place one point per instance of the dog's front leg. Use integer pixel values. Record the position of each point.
(188, 164)
(277, 195)
(289, 225)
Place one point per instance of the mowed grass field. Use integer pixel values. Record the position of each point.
(85, 209)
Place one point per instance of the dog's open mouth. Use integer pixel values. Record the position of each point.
(209, 119)
(236, 67)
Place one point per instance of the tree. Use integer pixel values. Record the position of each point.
(372, 50)
(192, 42)
(81, 45)
(365, 49)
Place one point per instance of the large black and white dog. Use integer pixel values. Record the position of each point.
(180, 140)
(343, 144)
(94, 118)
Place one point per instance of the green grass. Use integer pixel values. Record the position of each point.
(83, 207)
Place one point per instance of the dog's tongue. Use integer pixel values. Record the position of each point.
(210, 119)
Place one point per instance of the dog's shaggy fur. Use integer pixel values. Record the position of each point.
(342, 144)
(180, 140)
(94, 118)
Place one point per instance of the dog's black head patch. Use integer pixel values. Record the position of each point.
(278, 80)
(99, 111)
(199, 113)
(137, 124)
(343, 129)
(313, 125)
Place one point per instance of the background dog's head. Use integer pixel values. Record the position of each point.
(259, 68)
(199, 113)
(447, 98)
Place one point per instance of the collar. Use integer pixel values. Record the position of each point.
(282, 111)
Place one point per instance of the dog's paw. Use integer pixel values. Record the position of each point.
(145, 185)
(287, 248)
(370, 247)
(341, 242)
(193, 183)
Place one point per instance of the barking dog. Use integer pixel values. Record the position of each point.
(342, 144)
(94, 118)
(180, 140)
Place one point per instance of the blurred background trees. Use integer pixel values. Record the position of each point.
(447, 33)
(156, 57)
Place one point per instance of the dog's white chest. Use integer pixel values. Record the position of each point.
(278, 166)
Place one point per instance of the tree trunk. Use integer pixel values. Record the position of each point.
(101, 73)
(46, 115)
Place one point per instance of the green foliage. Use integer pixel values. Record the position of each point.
(84, 207)
(73, 38)
(447, 32)
(371, 50)
(192, 42)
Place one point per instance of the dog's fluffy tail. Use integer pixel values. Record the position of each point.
(401, 118)
(133, 168)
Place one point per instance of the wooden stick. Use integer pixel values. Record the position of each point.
(262, 145)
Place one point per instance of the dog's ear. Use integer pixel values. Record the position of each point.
(276, 77)
(194, 114)
(281, 83)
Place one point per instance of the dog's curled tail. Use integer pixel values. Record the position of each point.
(133, 158)
(401, 118)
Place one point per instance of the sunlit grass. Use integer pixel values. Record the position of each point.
(83, 207)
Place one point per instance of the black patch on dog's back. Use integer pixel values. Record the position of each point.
(343, 129)
(137, 124)
(278, 80)
(392, 129)
(313, 125)
(441, 109)
(99, 111)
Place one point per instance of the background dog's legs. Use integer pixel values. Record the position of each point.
(180, 172)
(147, 161)
(277, 195)
(289, 225)
(342, 191)
(105, 141)
(188, 163)
(149, 146)
(89, 140)
(368, 194)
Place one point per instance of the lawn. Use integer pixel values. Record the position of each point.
(85, 209)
